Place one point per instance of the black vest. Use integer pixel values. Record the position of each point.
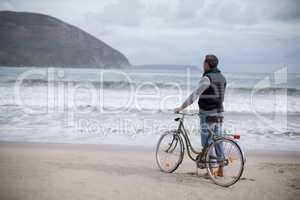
(211, 100)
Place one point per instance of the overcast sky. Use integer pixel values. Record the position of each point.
(262, 33)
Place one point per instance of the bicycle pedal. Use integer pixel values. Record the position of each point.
(201, 165)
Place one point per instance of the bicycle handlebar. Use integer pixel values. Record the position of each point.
(189, 114)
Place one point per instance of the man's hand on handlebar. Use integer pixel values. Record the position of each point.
(177, 110)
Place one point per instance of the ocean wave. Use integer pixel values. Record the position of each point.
(134, 110)
(290, 91)
(105, 84)
(163, 85)
(271, 132)
(39, 82)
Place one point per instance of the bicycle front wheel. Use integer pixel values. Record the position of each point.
(225, 162)
(169, 152)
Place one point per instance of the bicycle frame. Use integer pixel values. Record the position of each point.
(181, 131)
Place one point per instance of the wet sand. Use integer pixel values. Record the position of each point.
(35, 171)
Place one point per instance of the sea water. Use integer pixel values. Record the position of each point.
(135, 106)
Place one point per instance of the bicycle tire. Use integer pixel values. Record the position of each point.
(242, 161)
(181, 150)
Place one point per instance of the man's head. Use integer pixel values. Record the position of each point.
(210, 61)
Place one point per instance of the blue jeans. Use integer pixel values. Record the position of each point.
(215, 127)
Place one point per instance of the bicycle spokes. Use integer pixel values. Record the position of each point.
(231, 159)
(169, 152)
(226, 166)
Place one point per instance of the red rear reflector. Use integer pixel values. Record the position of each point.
(237, 137)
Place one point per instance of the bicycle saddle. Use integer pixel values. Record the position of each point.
(214, 119)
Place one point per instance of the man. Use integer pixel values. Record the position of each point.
(210, 93)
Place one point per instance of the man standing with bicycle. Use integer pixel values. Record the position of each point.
(210, 94)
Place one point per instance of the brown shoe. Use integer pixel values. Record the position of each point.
(220, 172)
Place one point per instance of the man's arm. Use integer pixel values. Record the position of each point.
(204, 83)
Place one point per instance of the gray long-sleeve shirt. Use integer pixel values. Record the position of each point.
(204, 83)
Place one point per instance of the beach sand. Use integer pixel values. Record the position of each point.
(35, 171)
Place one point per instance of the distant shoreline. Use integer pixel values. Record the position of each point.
(164, 66)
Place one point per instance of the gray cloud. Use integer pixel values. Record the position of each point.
(233, 12)
(182, 31)
(119, 13)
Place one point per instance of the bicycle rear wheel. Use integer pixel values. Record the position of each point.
(225, 162)
(169, 152)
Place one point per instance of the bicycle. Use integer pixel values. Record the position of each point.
(231, 160)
